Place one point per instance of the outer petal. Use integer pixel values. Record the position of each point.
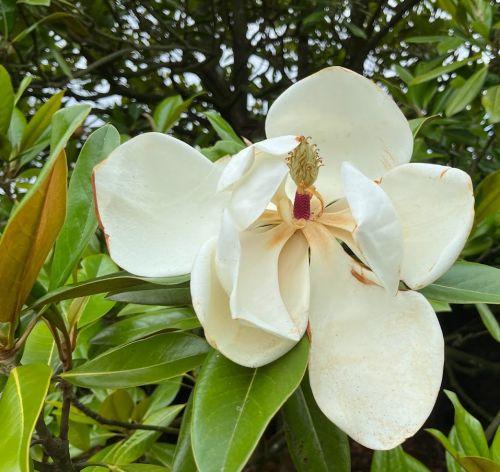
(378, 233)
(256, 296)
(349, 118)
(256, 189)
(376, 360)
(156, 201)
(244, 344)
(435, 205)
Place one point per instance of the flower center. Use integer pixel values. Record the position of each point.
(304, 163)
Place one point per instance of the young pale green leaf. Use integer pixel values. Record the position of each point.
(137, 468)
(20, 405)
(30, 233)
(464, 95)
(450, 448)
(440, 307)
(222, 148)
(7, 98)
(396, 460)
(222, 127)
(16, 129)
(45, 3)
(162, 453)
(491, 103)
(163, 395)
(417, 123)
(171, 296)
(314, 442)
(81, 220)
(439, 71)
(478, 464)
(118, 406)
(129, 450)
(168, 111)
(40, 347)
(451, 462)
(469, 430)
(232, 406)
(183, 457)
(64, 123)
(466, 282)
(147, 361)
(22, 87)
(41, 121)
(137, 327)
(108, 283)
(487, 197)
(489, 320)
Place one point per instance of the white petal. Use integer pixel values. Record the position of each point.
(376, 360)
(236, 168)
(227, 254)
(157, 204)
(378, 234)
(435, 205)
(349, 118)
(256, 189)
(243, 344)
(279, 146)
(256, 296)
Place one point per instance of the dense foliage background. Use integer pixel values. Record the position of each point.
(207, 71)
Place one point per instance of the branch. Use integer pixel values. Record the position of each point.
(121, 424)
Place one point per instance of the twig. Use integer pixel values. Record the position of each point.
(121, 424)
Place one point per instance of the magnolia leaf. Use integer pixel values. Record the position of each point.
(461, 97)
(314, 442)
(478, 464)
(183, 457)
(128, 450)
(466, 282)
(171, 296)
(113, 282)
(29, 236)
(487, 197)
(168, 111)
(7, 98)
(489, 320)
(417, 123)
(233, 405)
(439, 71)
(469, 430)
(137, 327)
(81, 220)
(20, 405)
(41, 121)
(22, 87)
(223, 128)
(395, 460)
(491, 103)
(40, 347)
(147, 361)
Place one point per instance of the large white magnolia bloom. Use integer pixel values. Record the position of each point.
(264, 268)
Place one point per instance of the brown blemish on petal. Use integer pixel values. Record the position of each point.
(378, 181)
(361, 278)
(308, 331)
(469, 184)
(96, 209)
(441, 175)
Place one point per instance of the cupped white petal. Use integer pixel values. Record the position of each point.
(376, 360)
(278, 146)
(255, 190)
(257, 296)
(349, 118)
(237, 167)
(378, 233)
(435, 205)
(157, 203)
(235, 339)
(227, 254)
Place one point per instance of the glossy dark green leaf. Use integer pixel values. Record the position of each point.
(136, 327)
(81, 220)
(461, 97)
(183, 457)
(396, 460)
(466, 282)
(314, 442)
(172, 296)
(113, 282)
(232, 406)
(147, 361)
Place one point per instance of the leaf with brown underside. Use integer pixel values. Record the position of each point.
(29, 236)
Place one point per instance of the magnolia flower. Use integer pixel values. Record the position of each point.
(316, 226)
